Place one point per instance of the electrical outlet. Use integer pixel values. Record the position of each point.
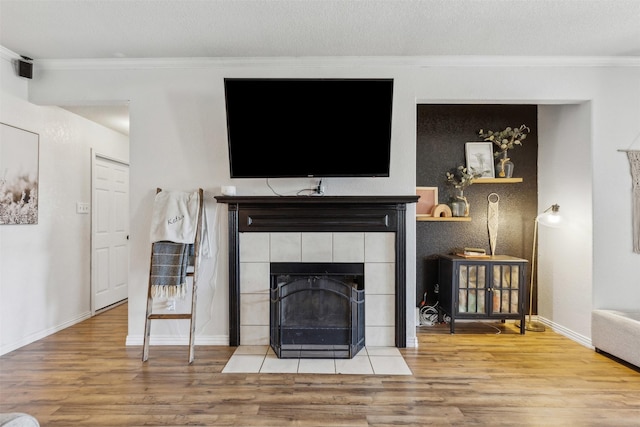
(82, 208)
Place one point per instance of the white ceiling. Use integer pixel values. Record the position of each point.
(92, 29)
(62, 29)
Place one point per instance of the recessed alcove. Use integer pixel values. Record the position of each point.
(444, 129)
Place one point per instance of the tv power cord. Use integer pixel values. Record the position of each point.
(319, 191)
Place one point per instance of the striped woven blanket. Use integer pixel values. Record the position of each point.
(169, 263)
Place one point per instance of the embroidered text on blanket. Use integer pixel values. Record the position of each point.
(175, 219)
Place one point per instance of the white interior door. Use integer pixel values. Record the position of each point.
(110, 232)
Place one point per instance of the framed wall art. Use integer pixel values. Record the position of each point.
(428, 199)
(19, 160)
(479, 157)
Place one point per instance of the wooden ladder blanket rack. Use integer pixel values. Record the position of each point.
(193, 273)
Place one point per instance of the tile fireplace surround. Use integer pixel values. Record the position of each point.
(367, 229)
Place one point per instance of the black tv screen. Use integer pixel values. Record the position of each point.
(280, 128)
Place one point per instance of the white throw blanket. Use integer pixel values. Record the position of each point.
(175, 217)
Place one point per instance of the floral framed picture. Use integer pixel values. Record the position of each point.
(479, 157)
(19, 156)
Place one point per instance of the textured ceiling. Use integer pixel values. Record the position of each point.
(65, 29)
(95, 29)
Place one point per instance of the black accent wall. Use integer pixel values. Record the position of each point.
(442, 131)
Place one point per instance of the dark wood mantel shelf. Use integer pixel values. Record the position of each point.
(317, 199)
(317, 214)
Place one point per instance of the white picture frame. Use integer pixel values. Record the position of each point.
(19, 181)
(479, 156)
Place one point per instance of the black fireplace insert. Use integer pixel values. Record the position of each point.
(317, 310)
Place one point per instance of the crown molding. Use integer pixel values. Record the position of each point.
(340, 62)
(330, 61)
(8, 54)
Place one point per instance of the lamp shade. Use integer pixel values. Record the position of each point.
(551, 217)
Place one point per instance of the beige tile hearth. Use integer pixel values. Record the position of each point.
(369, 361)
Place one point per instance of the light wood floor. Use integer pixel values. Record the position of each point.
(85, 376)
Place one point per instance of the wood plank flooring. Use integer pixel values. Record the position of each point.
(86, 376)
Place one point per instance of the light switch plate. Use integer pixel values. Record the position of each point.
(82, 208)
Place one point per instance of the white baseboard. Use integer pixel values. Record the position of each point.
(222, 340)
(580, 339)
(7, 348)
(412, 342)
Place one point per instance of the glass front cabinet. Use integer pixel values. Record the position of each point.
(483, 288)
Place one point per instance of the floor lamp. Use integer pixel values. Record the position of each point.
(550, 218)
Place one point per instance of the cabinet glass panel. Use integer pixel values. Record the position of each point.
(471, 289)
(506, 285)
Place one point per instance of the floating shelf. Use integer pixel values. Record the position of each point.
(497, 180)
(428, 217)
(443, 219)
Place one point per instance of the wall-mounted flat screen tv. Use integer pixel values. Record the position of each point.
(280, 128)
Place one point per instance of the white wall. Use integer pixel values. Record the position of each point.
(178, 140)
(616, 125)
(44, 268)
(565, 275)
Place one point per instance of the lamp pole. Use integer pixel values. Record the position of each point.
(551, 218)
